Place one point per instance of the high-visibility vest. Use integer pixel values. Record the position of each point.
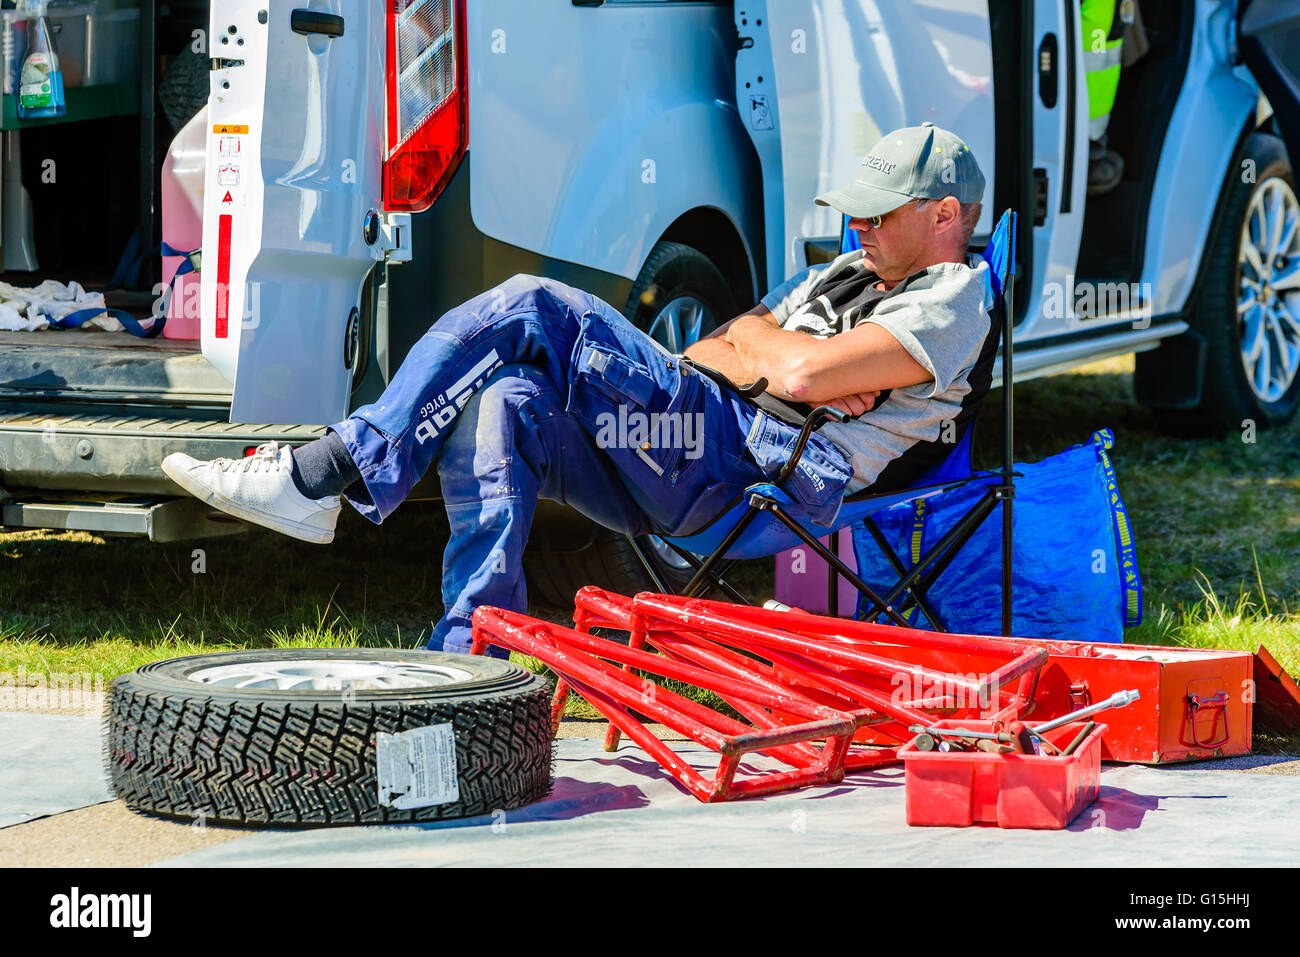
(1102, 30)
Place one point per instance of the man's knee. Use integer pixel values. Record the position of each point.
(486, 434)
(523, 292)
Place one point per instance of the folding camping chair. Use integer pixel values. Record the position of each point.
(764, 521)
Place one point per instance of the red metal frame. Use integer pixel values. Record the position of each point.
(855, 669)
(797, 679)
(785, 723)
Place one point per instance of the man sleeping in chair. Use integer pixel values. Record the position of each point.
(535, 389)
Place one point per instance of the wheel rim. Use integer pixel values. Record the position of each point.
(330, 674)
(666, 555)
(680, 322)
(1268, 303)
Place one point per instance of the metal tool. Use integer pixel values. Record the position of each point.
(1001, 737)
(1119, 699)
(1079, 738)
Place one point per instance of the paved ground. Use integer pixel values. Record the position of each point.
(105, 833)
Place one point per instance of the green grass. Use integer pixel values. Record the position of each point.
(1217, 525)
(1216, 520)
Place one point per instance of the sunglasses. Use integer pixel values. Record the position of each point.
(876, 221)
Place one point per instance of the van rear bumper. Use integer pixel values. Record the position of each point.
(120, 452)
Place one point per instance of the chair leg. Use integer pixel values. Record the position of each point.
(702, 574)
(915, 593)
(836, 563)
(647, 565)
(1006, 563)
(940, 556)
(716, 579)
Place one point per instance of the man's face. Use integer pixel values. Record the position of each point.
(892, 249)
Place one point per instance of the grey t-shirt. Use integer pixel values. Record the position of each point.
(940, 315)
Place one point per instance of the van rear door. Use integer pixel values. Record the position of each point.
(1268, 37)
(292, 193)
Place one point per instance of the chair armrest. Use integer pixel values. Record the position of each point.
(810, 424)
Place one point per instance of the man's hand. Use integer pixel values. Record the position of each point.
(854, 405)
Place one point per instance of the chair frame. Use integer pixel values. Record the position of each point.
(913, 583)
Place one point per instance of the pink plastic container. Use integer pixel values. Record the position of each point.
(182, 223)
(802, 578)
(961, 788)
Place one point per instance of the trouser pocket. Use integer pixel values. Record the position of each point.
(818, 482)
(638, 402)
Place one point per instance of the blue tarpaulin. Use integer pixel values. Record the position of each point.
(1074, 568)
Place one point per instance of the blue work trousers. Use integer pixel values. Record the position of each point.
(535, 389)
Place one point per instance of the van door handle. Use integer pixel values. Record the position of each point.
(308, 22)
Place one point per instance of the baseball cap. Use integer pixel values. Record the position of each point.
(915, 162)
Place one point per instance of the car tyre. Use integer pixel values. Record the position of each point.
(274, 738)
(1229, 401)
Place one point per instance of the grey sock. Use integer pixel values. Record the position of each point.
(323, 467)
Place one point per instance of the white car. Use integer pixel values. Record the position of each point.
(370, 165)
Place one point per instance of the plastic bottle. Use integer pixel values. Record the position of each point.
(40, 91)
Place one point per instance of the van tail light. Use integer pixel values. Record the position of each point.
(426, 115)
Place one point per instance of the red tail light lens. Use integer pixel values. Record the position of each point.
(427, 118)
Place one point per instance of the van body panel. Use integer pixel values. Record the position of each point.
(841, 73)
(588, 146)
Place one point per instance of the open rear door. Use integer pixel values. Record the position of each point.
(1268, 36)
(292, 199)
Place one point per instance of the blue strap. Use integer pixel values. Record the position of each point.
(916, 545)
(191, 259)
(129, 322)
(915, 549)
(82, 316)
(1130, 579)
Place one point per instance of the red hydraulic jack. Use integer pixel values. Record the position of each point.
(852, 666)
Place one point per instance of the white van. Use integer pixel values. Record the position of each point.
(390, 160)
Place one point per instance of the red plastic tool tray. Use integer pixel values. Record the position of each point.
(961, 788)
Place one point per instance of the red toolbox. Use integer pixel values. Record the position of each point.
(1196, 703)
(961, 788)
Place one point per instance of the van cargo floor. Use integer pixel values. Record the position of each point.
(108, 367)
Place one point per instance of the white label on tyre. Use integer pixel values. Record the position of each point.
(417, 768)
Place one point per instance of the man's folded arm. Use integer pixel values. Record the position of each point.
(718, 354)
(804, 368)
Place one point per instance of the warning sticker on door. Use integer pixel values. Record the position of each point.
(417, 768)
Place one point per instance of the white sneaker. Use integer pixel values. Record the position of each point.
(258, 488)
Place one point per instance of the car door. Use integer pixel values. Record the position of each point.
(292, 200)
(1268, 38)
(819, 81)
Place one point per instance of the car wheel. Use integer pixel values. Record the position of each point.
(325, 736)
(679, 296)
(1249, 307)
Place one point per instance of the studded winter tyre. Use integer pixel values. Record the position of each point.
(307, 736)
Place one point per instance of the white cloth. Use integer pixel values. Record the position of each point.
(33, 308)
